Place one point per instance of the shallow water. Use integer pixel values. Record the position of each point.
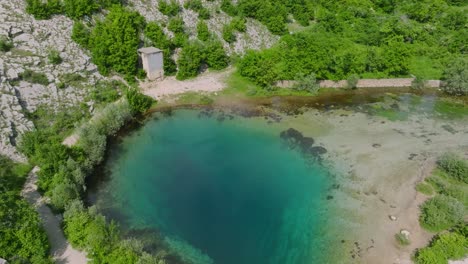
(233, 190)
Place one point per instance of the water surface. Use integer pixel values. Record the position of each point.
(221, 192)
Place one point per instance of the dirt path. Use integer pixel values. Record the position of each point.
(60, 249)
(207, 82)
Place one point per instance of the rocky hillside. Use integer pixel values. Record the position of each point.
(41, 65)
(28, 78)
(255, 37)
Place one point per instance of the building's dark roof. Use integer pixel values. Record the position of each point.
(149, 50)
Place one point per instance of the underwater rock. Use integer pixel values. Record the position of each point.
(306, 143)
(293, 134)
(317, 150)
(376, 145)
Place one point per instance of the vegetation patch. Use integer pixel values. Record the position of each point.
(22, 238)
(441, 212)
(447, 246)
(34, 77)
(450, 108)
(424, 188)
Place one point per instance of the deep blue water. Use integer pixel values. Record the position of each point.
(233, 190)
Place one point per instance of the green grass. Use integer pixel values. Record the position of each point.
(451, 108)
(194, 98)
(238, 85)
(425, 67)
(425, 188)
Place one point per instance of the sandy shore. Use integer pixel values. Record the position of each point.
(381, 162)
(207, 82)
(60, 249)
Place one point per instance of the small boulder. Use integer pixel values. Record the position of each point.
(392, 217)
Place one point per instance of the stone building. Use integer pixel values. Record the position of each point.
(152, 60)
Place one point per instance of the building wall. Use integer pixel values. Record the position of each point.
(153, 65)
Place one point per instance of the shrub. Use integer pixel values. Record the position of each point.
(441, 212)
(203, 32)
(54, 57)
(169, 9)
(228, 34)
(176, 25)
(5, 44)
(352, 81)
(402, 239)
(190, 60)
(34, 77)
(307, 83)
(418, 83)
(229, 8)
(138, 102)
(215, 56)
(77, 9)
(442, 248)
(43, 9)
(80, 34)
(456, 77)
(455, 166)
(238, 23)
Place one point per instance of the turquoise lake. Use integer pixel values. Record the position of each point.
(227, 192)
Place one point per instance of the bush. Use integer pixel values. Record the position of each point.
(77, 9)
(215, 56)
(228, 34)
(80, 34)
(402, 239)
(442, 248)
(455, 166)
(34, 77)
(203, 32)
(352, 81)
(138, 102)
(43, 9)
(238, 23)
(190, 60)
(456, 77)
(307, 83)
(229, 8)
(441, 212)
(169, 9)
(176, 25)
(5, 44)
(54, 57)
(418, 83)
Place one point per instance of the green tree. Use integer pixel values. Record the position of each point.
(190, 60)
(215, 56)
(114, 41)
